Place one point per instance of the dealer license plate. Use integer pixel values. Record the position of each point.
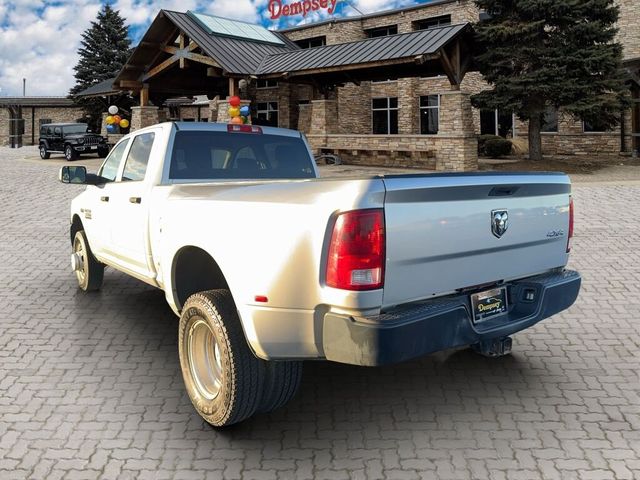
(488, 304)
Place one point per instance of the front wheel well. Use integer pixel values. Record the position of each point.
(76, 226)
(193, 271)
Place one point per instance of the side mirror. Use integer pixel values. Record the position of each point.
(73, 174)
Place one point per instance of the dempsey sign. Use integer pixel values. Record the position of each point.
(277, 9)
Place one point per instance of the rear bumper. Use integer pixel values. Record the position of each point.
(427, 327)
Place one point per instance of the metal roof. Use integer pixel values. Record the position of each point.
(392, 47)
(235, 55)
(100, 89)
(37, 101)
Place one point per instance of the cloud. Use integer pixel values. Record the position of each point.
(40, 39)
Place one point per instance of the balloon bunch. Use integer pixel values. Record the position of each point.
(239, 115)
(114, 120)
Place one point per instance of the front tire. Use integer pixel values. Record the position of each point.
(89, 272)
(222, 376)
(69, 153)
(44, 153)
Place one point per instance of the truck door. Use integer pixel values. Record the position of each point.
(129, 239)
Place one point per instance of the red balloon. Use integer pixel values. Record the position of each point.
(234, 101)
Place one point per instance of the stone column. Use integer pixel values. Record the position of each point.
(460, 152)
(213, 110)
(304, 117)
(103, 124)
(223, 110)
(324, 117)
(408, 107)
(143, 117)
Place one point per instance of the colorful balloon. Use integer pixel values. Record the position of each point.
(234, 101)
(116, 119)
(124, 123)
(111, 128)
(236, 121)
(244, 111)
(113, 109)
(234, 112)
(109, 120)
(244, 119)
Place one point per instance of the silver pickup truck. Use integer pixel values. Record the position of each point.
(267, 265)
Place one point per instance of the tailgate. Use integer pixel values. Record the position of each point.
(439, 234)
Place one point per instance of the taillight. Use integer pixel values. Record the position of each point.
(356, 251)
(570, 234)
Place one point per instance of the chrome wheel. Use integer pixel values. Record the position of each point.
(43, 152)
(79, 260)
(205, 360)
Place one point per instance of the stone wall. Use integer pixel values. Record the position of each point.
(629, 27)
(55, 114)
(439, 152)
(354, 29)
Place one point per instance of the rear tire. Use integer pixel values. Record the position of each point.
(44, 153)
(282, 382)
(223, 378)
(103, 152)
(91, 273)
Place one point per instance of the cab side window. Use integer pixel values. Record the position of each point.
(138, 158)
(109, 168)
(57, 131)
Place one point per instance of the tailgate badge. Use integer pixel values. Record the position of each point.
(499, 222)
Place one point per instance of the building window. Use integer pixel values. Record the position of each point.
(312, 42)
(594, 127)
(496, 122)
(267, 114)
(429, 114)
(382, 31)
(304, 102)
(432, 22)
(266, 84)
(550, 120)
(385, 115)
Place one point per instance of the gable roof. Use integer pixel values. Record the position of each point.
(235, 55)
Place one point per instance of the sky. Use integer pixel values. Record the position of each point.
(39, 39)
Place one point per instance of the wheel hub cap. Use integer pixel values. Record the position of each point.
(205, 360)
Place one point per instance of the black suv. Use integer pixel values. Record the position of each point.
(71, 139)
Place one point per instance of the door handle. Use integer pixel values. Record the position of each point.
(135, 199)
(104, 199)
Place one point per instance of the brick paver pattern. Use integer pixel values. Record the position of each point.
(91, 384)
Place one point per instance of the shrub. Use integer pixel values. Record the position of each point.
(497, 147)
(482, 140)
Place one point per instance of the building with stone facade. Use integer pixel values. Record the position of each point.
(390, 88)
(34, 112)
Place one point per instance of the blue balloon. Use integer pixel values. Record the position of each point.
(111, 129)
(244, 111)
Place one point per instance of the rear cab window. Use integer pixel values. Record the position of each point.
(213, 155)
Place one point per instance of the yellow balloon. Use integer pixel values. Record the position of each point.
(110, 120)
(234, 112)
(124, 123)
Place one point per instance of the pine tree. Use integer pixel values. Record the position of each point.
(558, 53)
(105, 48)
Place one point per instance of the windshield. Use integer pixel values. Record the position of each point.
(79, 128)
(205, 155)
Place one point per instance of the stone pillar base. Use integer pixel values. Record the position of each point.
(304, 117)
(103, 124)
(143, 117)
(223, 110)
(456, 121)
